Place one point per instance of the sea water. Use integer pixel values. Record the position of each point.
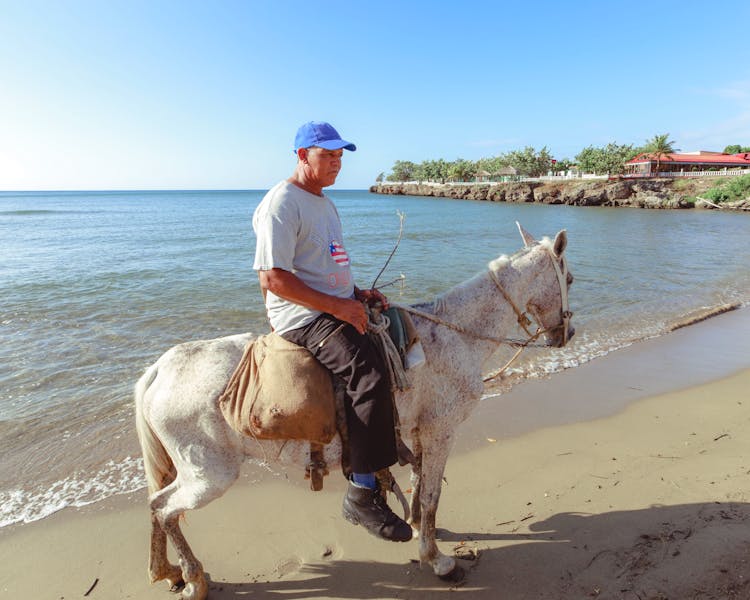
(95, 286)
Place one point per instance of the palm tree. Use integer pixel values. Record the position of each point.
(659, 147)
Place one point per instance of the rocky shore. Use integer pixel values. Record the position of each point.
(637, 193)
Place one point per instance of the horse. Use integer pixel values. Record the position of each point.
(192, 455)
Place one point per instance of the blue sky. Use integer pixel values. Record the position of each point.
(208, 95)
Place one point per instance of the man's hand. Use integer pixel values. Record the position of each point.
(371, 297)
(351, 311)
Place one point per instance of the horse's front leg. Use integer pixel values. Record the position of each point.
(416, 484)
(437, 445)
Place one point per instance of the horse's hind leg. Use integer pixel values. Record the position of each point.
(196, 587)
(193, 488)
(159, 566)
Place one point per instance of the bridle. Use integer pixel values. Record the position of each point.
(523, 319)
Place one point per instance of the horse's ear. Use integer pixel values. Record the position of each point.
(561, 241)
(528, 239)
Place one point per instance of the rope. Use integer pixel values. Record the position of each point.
(377, 327)
(480, 336)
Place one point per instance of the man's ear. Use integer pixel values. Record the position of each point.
(302, 155)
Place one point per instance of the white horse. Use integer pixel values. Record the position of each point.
(192, 455)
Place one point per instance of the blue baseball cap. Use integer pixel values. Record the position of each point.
(321, 134)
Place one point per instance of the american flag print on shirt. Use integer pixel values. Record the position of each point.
(338, 253)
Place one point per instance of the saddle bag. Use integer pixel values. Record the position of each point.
(279, 391)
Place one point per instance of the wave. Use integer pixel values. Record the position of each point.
(24, 506)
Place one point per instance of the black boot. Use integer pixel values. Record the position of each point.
(363, 506)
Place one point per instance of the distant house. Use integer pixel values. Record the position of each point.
(505, 174)
(482, 176)
(675, 164)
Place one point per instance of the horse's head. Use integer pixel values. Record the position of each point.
(548, 303)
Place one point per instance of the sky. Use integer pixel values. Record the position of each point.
(161, 94)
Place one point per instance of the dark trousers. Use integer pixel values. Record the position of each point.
(369, 405)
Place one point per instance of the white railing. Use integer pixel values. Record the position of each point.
(724, 173)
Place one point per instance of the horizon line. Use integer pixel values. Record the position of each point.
(73, 191)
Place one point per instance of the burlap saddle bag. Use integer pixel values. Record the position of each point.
(279, 391)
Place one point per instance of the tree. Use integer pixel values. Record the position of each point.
(610, 159)
(403, 170)
(433, 170)
(529, 162)
(461, 169)
(659, 147)
(736, 149)
(440, 168)
(380, 178)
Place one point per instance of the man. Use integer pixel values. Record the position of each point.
(311, 300)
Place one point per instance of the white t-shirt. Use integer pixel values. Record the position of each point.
(300, 232)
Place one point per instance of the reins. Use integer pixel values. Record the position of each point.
(480, 336)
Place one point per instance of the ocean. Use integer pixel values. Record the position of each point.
(95, 286)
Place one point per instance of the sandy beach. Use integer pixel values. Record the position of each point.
(625, 478)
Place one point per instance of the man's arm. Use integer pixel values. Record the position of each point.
(288, 286)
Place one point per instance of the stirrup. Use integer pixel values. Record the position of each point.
(387, 483)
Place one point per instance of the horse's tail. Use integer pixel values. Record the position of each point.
(157, 464)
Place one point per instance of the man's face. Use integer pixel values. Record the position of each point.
(324, 165)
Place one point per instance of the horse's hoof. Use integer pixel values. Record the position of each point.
(456, 575)
(195, 590)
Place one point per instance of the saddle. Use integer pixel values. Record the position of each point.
(279, 391)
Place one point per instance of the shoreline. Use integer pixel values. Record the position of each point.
(652, 193)
(647, 452)
(706, 351)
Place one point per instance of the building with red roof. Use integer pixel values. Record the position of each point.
(687, 163)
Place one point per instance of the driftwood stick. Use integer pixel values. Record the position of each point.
(722, 207)
(93, 585)
(710, 203)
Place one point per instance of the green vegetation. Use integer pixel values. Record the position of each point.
(736, 188)
(609, 159)
(736, 149)
(527, 163)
